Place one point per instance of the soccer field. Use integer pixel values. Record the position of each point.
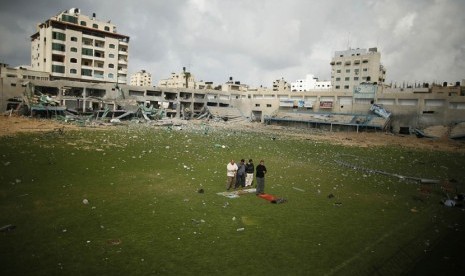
(126, 201)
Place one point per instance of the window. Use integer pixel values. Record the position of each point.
(112, 46)
(58, 47)
(69, 18)
(95, 26)
(111, 65)
(73, 60)
(86, 72)
(73, 49)
(110, 76)
(338, 71)
(365, 61)
(87, 52)
(338, 87)
(59, 36)
(347, 70)
(73, 38)
(355, 78)
(73, 71)
(346, 87)
(347, 78)
(83, 23)
(365, 69)
(111, 55)
(58, 69)
(107, 28)
(338, 79)
(257, 105)
(268, 105)
(13, 84)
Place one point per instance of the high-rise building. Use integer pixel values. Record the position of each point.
(71, 45)
(353, 67)
(141, 78)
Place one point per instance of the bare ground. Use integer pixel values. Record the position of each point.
(11, 125)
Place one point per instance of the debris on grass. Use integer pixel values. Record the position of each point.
(298, 189)
(7, 228)
(113, 242)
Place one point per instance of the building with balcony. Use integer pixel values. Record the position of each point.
(74, 46)
(141, 78)
(281, 85)
(353, 67)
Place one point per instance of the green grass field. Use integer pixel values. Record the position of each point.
(145, 215)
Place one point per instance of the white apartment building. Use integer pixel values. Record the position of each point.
(310, 83)
(141, 78)
(353, 67)
(74, 46)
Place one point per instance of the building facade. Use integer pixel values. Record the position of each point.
(141, 78)
(74, 46)
(181, 80)
(281, 85)
(310, 83)
(353, 67)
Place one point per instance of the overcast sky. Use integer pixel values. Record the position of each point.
(259, 41)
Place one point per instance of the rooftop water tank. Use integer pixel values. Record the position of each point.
(75, 11)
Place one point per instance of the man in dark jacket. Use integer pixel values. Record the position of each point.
(249, 170)
(240, 179)
(260, 175)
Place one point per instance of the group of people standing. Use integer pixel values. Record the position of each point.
(241, 175)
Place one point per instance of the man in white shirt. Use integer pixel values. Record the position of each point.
(231, 173)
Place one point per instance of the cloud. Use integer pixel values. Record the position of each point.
(257, 42)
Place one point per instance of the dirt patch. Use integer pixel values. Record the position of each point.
(11, 125)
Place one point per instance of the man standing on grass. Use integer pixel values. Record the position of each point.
(260, 175)
(231, 169)
(249, 170)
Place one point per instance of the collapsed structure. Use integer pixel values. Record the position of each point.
(82, 70)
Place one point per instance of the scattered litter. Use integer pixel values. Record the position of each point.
(338, 204)
(449, 202)
(298, 189)
(7, 228)
(113, 242)
(240, 229)
(200, 191)
(85, 201)
(330, 196)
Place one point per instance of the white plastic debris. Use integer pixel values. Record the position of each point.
(85, 201)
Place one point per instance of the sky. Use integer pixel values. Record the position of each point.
(259, 41)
